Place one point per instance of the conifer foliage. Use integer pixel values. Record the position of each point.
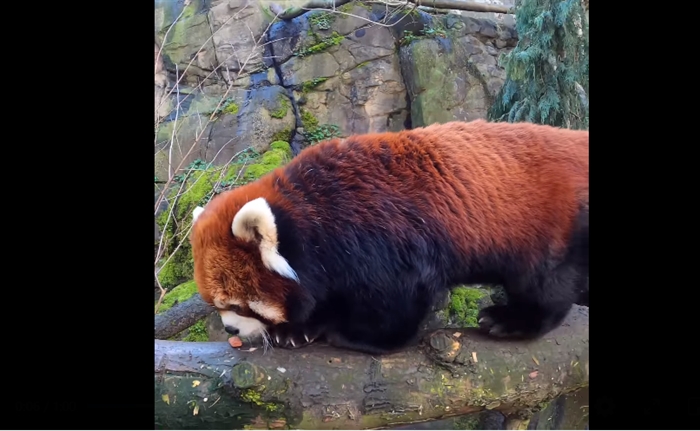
(547, 72)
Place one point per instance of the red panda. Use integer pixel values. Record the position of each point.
(355, 238)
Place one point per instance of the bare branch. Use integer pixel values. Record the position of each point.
(469, 6)
(180, 317)
(213, 114)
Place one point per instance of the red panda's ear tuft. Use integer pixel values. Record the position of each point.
(196, 213)
(255, 221)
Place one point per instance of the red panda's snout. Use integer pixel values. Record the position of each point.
(243, 326)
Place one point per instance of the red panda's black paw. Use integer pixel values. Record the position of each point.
(291, 336)
(501, 322)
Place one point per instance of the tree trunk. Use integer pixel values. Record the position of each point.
(293, 12)
(452, 372)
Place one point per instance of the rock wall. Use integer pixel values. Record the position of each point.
(227, 77)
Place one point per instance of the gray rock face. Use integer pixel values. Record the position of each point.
(455, 75)
(230, 78)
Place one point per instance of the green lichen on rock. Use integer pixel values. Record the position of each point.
(186, 35)
(321, 20)
(323, 132)
(231, 108)
(321, 45)
(189, 10)
(179, 294)
(283, 135)
(308, 120)
(315, 132)
(310, 85)
(284, 106)
(464, 306)
(279, 154)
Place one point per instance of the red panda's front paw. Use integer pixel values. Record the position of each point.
(291, 336)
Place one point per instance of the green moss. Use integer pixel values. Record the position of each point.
(308, 121)
(463, 305)
(325, 43)
(197, 332)
(253, 396)
(315, 132)
(481, 396)
(412, 12)
(283, 135)
(199, 188)
(230, 108)
(280, 153)
(310, 85)
(467, 422)
(179, 294)
(427, 32)
(179, 267)
(322, 20)
(363, 64)
(281, 145)
(190, 29)
(347, 7)
(283, 107)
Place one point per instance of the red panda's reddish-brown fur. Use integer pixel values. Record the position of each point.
(385, 217)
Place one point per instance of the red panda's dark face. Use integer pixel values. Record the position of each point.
(237, 268)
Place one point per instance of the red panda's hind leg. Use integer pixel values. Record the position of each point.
(535, 305)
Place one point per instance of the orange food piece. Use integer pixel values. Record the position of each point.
(235, 342)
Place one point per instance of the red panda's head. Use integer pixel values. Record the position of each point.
(237, 267)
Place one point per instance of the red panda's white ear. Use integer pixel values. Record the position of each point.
(196, 213)
(256, 217)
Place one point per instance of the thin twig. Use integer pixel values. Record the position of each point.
(211, 117)
(172, 137)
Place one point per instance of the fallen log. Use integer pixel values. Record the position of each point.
(451, 372)
(181, 316)
(469, 6)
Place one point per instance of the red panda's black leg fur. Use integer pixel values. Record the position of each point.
(535, 305)
(539, 301)
(375, 326)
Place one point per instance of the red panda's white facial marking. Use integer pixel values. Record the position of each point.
(270, 313)
(246, 326)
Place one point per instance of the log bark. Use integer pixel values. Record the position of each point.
(181, 316)
(451, 372)
(469, 6)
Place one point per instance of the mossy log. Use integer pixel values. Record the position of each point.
(451, 372)
(469, 6)
(181, 316)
